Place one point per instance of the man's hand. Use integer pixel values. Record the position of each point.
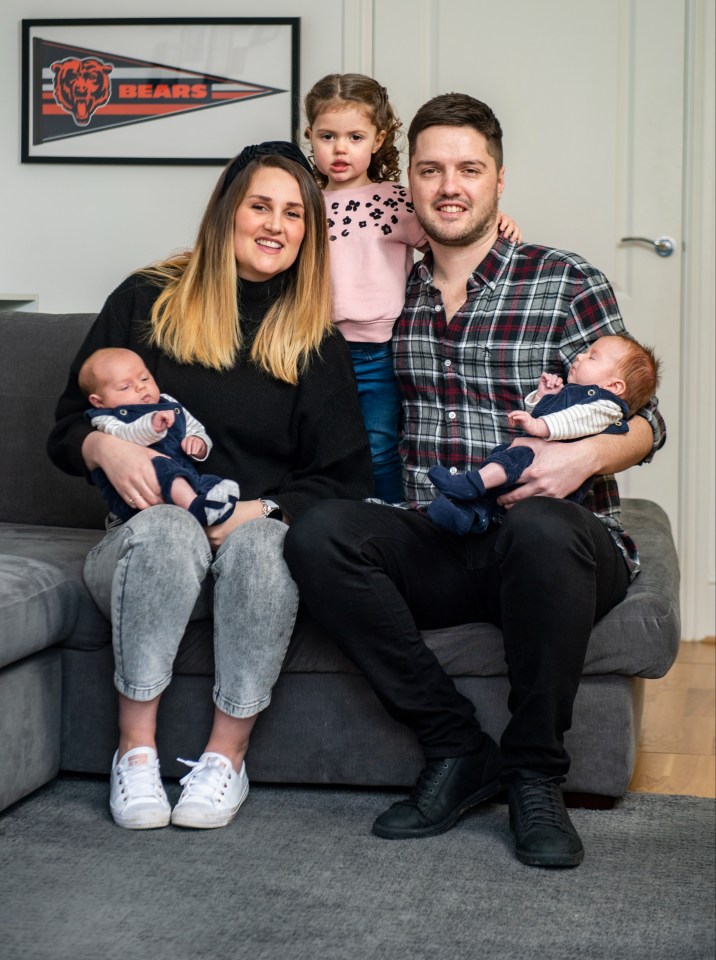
(194, 447)
(557, 470)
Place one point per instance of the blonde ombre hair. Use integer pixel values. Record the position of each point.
(195, 318)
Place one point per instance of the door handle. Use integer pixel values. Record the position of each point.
(664, 246)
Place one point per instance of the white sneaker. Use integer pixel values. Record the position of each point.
(213, 792)
(137, 799)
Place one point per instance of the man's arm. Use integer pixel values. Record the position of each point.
(558, 469)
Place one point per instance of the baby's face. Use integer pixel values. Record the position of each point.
(125, 380)
(599, 363)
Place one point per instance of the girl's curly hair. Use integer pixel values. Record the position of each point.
(341, 89)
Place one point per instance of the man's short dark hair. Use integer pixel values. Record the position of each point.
(458, 110)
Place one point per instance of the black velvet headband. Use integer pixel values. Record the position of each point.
(281, 148)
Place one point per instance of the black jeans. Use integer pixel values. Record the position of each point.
(373, 576)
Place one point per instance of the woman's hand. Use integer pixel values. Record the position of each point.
(128, 467)
(244, 511)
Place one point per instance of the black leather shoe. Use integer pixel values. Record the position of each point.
(444, 790)
(544, 834)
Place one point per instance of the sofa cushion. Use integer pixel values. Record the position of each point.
(37, 350)
(38, 606)
(65, 548)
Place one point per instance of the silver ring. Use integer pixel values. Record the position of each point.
(133, 501)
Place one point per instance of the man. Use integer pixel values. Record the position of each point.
(482, 320)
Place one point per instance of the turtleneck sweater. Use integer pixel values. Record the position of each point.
(292, 444)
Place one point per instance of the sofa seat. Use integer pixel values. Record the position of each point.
(38, 607)
(638, 639)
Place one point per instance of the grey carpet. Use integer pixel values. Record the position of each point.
(299, 875)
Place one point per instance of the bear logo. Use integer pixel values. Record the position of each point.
(81, 87)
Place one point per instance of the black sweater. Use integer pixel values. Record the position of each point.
(294, 444)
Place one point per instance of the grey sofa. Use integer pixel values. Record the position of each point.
(57, 701)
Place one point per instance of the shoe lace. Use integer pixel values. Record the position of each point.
(541, 803)
(208, 778)
(427, 781)
(141, 780)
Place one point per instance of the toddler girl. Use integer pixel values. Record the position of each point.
(373, 231)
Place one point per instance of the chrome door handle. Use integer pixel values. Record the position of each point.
(664, 246)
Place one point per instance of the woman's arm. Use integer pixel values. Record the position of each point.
(128, 467)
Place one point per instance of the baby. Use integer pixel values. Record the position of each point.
(611, 380)
(126, 402)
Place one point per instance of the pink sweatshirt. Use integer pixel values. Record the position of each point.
(373, 231)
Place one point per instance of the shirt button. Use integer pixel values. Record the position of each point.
(453, 471)
(438, 307)
(448, 363)
(452, 415)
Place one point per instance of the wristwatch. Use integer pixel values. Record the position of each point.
(269, 508)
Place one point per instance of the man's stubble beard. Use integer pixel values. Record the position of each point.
(471, 235)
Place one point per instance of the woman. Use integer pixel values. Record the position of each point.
(239, 331)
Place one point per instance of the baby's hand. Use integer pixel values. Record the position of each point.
(194, 447)
(508, 228)
(549, 383)
(533, 426)
(162, 420)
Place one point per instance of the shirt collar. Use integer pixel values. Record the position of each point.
(487, 273)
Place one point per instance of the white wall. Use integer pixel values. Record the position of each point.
(70, 232)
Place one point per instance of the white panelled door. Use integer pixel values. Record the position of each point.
(592, 107)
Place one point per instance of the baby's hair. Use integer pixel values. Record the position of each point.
(87, 377)
(338, 90)
(641, 371)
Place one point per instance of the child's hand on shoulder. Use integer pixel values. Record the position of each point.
(508, 228)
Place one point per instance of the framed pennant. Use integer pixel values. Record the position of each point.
(167, 91)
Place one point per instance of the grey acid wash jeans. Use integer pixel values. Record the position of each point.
(153, 574)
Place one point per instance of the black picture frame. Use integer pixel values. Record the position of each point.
(112, 91)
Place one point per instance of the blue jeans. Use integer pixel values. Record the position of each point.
(380, 405)
(153, 574)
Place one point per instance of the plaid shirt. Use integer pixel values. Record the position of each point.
(529, 309)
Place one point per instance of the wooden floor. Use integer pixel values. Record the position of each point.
(678, 734)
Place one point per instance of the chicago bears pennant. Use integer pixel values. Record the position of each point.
(143, 91)
(88, 90)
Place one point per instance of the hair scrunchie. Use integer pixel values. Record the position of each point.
(281, 148)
